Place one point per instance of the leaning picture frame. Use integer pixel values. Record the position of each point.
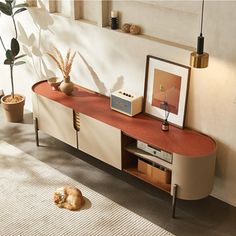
(166, 90)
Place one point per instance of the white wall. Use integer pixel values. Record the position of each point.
(116, 60)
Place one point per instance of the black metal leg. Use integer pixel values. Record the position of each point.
(36, 131)
(175, 187)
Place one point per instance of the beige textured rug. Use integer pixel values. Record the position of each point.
(26, 206)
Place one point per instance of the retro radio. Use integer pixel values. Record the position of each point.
(126, 103)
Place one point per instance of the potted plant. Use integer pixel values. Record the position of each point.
(12, 104)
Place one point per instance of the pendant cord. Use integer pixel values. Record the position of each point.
(202, 17)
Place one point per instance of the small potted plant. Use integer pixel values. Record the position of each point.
(64, 65)
(12, 104)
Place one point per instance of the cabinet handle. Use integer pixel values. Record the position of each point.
(76, 120)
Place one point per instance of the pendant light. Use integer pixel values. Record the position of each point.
(199, 59)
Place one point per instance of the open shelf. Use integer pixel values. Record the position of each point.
(151, 21)
(154, 39)
(145, 166)
(134, 171)
(98, 13)
(132, 148)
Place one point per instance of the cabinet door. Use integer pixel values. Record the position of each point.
(56, 120)
(193, 175)
(100, 140)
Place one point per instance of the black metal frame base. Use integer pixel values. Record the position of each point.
(36, 131)
(174, 199)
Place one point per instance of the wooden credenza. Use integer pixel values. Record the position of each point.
(86, 122)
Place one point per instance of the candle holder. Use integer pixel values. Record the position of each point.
(114, 23)
(165, 125)
(114, 20)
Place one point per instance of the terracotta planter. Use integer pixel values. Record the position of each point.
(13, 111)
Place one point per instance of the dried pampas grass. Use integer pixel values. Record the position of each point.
(63, 64)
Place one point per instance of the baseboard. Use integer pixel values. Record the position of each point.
(224, 200)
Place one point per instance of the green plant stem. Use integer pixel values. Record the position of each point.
(3, 44)
(12, 84)
(14, 23)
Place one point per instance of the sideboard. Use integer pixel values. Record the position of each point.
(186, 163)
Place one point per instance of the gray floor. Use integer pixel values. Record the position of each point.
(203, 217)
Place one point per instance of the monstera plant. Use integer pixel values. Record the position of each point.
(12, 104)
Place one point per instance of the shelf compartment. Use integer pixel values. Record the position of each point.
(153, 20)
(132, 148)
(154, 173)
(134, 171)
(86, 10)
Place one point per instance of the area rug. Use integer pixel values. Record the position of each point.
(26, 206)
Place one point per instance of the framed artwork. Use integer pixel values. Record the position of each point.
(166, 89)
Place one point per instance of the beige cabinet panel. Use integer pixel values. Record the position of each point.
(35, 105)
(56, 120)
(194, 176)
(100, 140)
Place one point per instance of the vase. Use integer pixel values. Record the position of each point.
(67, 86)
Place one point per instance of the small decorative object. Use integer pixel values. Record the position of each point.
(126, 27)
(68, 197)
(114, 19)
(165, 125)
(166, 86)
(54, 82)
(64, 65)
(67, 86)
(135, 29)
(165, 107)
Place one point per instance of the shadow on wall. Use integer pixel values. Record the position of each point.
(222, 161)
(99, 84)
(32, 45)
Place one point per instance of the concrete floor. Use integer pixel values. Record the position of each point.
(204, 217)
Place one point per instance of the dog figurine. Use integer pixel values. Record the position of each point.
(68, 197)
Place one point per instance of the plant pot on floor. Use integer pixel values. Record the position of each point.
(13, 108)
